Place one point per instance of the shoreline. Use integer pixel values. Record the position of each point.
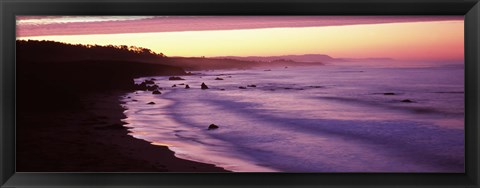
(172, 133)
(92, 139)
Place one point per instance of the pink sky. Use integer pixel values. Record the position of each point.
(71, 25)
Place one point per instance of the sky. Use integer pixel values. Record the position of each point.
(406, 38)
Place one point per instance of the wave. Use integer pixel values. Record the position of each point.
(409, 140)
(394, 105)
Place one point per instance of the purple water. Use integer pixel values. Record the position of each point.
(310, 119)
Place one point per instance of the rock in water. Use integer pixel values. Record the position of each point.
(175, 78)
(149, 82)
(141, 86)
(212, 126)
(187, 87)
(204, 86)
(252, 85)
(153, 87)
(174, 85)
(156, 92)
(406, 101)
(151, 103)
(388, 93)
(241, 87)
(218, 78)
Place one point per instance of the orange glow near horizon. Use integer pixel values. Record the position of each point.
(432, 41)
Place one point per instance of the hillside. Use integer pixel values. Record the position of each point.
(55, 71)
(52, 51)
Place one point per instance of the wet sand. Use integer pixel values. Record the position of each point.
(91, 139)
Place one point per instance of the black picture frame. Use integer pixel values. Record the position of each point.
(10, 8)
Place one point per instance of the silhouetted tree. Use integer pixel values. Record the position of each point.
(57, 51)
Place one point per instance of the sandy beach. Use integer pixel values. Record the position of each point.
(92, 140)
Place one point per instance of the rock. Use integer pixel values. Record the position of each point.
(147, 85)
(152, 88)
(251, 85)
(174, 85)
(222, 89)
(187, 87)
(218, 78)
(149, 82)
(241, 87)
(135, 100)
(129, 97)
(141, 86)
(406, 101)
(175, 78)
(153, 79)
(151, 103)
(389, 93)
(204, 86)
(181, 84)
(212, 126)
(156, 92)
(267, 70)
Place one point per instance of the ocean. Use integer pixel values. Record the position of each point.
(309, 119)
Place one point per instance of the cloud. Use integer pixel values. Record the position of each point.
(83, 25)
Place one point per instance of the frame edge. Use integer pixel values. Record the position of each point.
(8, 92)
(472, 32)
(7, 95)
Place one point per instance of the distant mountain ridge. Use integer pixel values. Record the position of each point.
(312, 58)
(305, 58)
(374, 59)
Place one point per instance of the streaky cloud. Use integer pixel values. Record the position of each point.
(84, 25)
